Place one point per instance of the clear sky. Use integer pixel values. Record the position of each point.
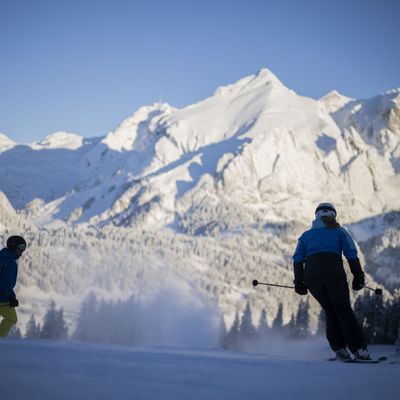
(85, 65)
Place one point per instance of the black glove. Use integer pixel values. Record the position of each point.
(358, 281)
(300, 288)
(358, 274)
(14, 302)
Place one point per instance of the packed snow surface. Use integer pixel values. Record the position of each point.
(40, 370)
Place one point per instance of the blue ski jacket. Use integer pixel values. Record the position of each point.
(8, 274)
(321, 239)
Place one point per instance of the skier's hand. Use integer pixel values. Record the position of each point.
(300, 288)
(14, 302)
(358, 281)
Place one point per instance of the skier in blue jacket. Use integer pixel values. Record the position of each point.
(16, 245)
(318, 268)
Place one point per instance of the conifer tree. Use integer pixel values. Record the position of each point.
(106, 309)
(54, 325)
(86, 326)
(247, 330)
(32, 329)
(222, 332)
(303, 319)
(62, 327)
(232, 338)
(277, 325)
(298, 326)
(15, 333)
(263, 329)
(289, 330)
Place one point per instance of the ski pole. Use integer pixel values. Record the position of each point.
(377, 290)
(255, 283)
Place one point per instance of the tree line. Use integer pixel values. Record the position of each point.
(54, 326)
(380, 321)
(129, 322)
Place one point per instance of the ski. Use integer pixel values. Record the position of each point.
(371, 361)
(357, 361)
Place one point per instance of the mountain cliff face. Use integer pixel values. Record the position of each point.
(223, 186)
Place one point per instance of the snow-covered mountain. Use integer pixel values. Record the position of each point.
(223, 186)
(254, 144)
(44, 170)
(6, 143)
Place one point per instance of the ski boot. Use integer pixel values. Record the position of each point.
(362, 354)
(342, 354)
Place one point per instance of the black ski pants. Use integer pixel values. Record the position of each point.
(342, 328)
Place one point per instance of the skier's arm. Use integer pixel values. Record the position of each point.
(7, 292)
(348, 245)
(300, 253)
(350, 252)
(8, 280)
(298, 267)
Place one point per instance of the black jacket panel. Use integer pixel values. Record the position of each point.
(323, 264)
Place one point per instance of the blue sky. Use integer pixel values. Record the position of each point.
(84, 66)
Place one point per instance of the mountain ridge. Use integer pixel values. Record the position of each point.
(250, 132)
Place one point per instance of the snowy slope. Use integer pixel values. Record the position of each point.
(6, 143)
(376, 120)
(6, 209)
(58, 370)
(59, 140)
(45, 170)
(379, 241)
(334, 101)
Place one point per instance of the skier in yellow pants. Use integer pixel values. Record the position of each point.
(16, 245)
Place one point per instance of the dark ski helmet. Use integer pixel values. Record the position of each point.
(16, 242)
(325, 209)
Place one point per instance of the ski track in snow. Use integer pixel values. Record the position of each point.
(72, 370)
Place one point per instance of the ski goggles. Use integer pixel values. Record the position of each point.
(326, 208)
(21, 246)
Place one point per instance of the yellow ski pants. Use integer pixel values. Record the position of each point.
(9, 318)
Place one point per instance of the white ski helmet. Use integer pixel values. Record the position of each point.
(325, 210)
